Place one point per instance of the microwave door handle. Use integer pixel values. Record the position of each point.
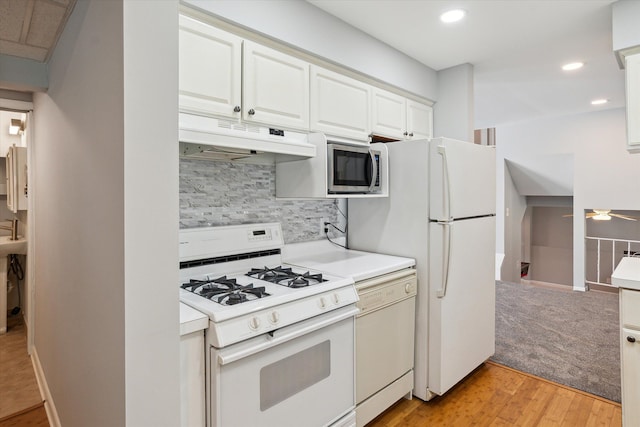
(374, 171)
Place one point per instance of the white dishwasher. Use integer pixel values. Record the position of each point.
(384, 342)
(385, 326)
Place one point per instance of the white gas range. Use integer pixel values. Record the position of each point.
(279, 336)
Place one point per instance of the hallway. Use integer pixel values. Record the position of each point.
(20, 400)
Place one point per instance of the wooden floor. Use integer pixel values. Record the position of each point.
(18, 386)
(494, 395)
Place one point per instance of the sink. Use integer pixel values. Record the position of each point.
(8, 246)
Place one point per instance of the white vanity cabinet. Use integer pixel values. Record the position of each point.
(398, 117)
(275, 87)
(632, 76)
(340, 105)
(221, 74)
(209, 69)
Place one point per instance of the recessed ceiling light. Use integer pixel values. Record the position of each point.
(599, 101)
(453, 15)
(572, 66)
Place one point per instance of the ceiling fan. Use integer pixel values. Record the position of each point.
(605, 215)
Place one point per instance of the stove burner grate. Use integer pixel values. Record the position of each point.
(286, 277)
(224, 291)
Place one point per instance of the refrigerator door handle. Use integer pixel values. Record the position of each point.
(448, 229)
(447, 182)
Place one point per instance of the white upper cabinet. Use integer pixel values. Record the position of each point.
(275, 87)
(398, 117)
(340, 105)
(389, 114)
(632, 73)
(209, 69)
(419, 120)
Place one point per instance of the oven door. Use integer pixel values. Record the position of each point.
(302, 375)
(352, 169)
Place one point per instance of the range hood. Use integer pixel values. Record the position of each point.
(218, 139)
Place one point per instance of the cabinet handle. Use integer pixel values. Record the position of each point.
(411, 134)
(631, 339)
(236, 109)
(252, 112)
(406, 133)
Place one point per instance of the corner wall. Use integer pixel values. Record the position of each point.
(105, 178)
(78, 185)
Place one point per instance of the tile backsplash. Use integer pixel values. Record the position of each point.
(216, 193)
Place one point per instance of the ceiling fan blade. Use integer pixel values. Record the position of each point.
(566, 216)
(591, 214)
(627, 217)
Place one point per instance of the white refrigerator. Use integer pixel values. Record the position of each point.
(440, 211)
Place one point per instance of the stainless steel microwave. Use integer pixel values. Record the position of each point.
(353, 169)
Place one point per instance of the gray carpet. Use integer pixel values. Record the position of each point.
(564, 336)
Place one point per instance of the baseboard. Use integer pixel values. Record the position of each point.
(52, 414)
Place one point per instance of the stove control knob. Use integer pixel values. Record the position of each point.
(254, 323)
(322, 303)
(274, 317)
(336, 298)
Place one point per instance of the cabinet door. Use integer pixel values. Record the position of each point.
(388, 114)
(340, 105)
(419, 120)
(275, 87)
(632, 73)
(209, 69)
(630, 343)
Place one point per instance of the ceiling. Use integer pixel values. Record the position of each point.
(517, 48)
(30, 28)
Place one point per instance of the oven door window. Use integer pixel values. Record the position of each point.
(308, 378)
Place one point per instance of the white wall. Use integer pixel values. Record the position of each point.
(453, 113)
(302, 25)
(22, 74)
(105, 177)
(551, 245)
(605, 174)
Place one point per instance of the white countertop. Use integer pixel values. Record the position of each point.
(627, 273)
(324, 256)
(191, 320)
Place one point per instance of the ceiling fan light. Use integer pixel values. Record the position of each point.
(601, 217)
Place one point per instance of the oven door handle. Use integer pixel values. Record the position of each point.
(226, 356)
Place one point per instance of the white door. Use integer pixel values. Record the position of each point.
(461, 299)
(340, 105)
(419, 120)
(209, 69)
(388, 114)
(275, 87)
(462, 179)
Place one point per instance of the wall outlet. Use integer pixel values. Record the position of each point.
(322, 227)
